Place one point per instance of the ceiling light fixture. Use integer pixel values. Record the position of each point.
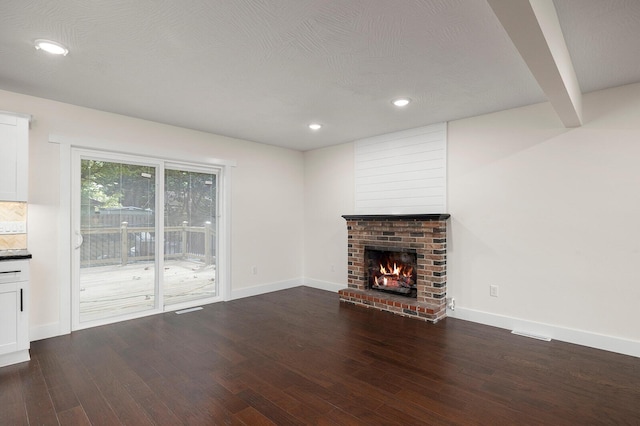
(51, 47)
(401, 102)
(315, 126)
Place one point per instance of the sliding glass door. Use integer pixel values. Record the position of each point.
(145, 236)
(117, 274)
(189, 235)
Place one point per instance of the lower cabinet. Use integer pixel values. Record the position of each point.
(14, 312)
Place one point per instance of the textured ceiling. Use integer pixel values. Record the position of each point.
(262, 70)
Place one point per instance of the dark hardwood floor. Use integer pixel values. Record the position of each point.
(300, 357)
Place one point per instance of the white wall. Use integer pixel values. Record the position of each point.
(550, 215)
(267, 194)
(329, 194)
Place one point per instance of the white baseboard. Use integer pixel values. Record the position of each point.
(578, 337)
(265, 288)
(45, 331)
(14, 358)
(569, 335)
(324, 285)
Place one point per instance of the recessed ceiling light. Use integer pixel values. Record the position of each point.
(401, 102)
(315, 126)
(51, 47)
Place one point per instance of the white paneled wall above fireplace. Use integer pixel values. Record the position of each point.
(403, 172)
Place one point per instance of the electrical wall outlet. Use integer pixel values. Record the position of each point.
(493, 290)
(451, 303)
(13, 227)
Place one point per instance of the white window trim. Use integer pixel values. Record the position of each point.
(66, 144)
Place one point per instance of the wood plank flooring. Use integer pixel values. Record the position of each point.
(300, 357)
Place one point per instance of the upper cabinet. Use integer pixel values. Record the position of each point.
(14, 156)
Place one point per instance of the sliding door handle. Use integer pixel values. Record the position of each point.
(79, 240)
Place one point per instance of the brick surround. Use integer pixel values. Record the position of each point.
(427, 234)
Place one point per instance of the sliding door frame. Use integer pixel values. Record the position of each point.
(191, 167)
(167, 156)
(77, 155)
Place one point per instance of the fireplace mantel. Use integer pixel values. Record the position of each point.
(430, 216)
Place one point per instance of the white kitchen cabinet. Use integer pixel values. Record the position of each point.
(14, 311)
(14, 156)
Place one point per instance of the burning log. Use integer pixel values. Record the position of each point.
(392, 280)
(394, 275)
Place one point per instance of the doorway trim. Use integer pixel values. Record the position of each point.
(66, 143)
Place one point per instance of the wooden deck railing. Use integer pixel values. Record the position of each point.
(109, 246)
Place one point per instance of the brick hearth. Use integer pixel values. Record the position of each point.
(427, 234)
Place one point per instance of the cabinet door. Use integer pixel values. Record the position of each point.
(14, 152)
(14, 311)
(10, 318)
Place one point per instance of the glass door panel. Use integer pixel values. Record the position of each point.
(189, 236)
(118, 228)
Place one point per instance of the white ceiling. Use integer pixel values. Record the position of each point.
(262, 70)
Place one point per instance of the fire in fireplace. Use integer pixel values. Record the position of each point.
(392, 270)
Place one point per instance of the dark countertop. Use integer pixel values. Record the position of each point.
(14, 255)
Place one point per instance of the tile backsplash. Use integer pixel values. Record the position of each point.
(13, 212)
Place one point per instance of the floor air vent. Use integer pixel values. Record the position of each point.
(184, 311)
(533, 336)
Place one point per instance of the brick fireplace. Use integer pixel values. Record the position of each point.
(422, 237)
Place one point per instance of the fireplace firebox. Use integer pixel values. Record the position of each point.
(392, 270)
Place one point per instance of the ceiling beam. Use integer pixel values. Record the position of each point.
(534, 28)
